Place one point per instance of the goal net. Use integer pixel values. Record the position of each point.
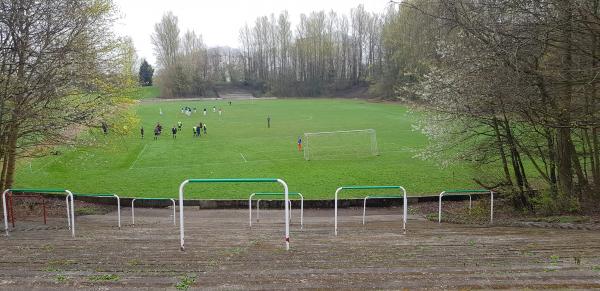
(340, 144)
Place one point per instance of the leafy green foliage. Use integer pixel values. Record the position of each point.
(547, 203)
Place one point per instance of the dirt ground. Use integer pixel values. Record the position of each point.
(223, 253)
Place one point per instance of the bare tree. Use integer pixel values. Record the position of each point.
(165, 40)
(58, 67)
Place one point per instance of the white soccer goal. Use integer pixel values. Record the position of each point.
(340, 144)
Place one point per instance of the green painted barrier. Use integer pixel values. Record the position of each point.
(465, 191)
(274, 193)
(369, 187)
(94, 195)
(384, 196)
(33, 190)
(242, 180)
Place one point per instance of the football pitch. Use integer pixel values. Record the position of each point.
(238, 144)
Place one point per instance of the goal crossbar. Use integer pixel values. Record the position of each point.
(339, 131)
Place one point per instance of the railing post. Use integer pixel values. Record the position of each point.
(491, 207)
(287, 214)
(250, 210)
(181, 222)
(336, 209)
(301, 211)
(118, 209)
(405, 215)
(5, 211)
(133, 212)
(440, 208)
(68, 212)
(470, 203)
(290, 205)
(174, 212)
(11, 209)
(365, 208)
(69, 194)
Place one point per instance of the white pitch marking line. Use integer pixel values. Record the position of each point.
(243, 157)
(138, 157)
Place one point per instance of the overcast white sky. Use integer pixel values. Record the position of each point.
(218, 21)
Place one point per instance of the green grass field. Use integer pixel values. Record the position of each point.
(239, 144)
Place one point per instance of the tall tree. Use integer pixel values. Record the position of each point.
(165, 40)
(59, 65)
(145, 74)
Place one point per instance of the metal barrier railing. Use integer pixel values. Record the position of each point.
(274, 194)
(465, 193)
(133, 208)
(236, 180)
(70, 205)
(405, 213)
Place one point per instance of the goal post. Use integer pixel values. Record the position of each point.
(333, 144)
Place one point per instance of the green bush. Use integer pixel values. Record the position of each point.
(546, 203)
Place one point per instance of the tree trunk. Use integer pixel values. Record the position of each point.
(11, 157)
(583, 183)
(551, 161)
(593, 144)
(589, 152)
(507, 176)
(564, 144)
(521, 200)
(596, 157)
(3, 174)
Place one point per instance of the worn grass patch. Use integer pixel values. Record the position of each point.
(61, 278)
(104, 278)
(185, 282)
(562, 219)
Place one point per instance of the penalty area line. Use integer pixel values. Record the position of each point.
(244, 158)
(138, 157)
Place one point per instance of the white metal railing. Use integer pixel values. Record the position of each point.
(466, 193)
(274, 194)
(133, 208)
(235, 180)
(106, 195)
(405, 213)
(377, 197)
(70, 205)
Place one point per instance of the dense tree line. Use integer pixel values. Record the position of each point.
(60, 67)
(512, 84)
(324, 53)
